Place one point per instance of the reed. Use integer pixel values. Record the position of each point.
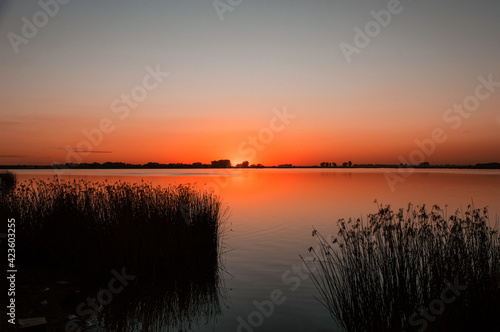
(7, 182)
(374, 275)
(168, 238)
(96, 226)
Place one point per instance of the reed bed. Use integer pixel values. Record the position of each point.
(168, 238)
(374, 275)
(7, 182)
(100, 225)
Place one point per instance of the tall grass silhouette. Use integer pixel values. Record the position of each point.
(7, 182)
(71, 224)
(374, 275)
(170, 238)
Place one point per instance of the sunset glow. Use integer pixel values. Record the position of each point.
(250, 165)
(175, 84)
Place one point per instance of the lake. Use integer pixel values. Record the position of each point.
(272, 215)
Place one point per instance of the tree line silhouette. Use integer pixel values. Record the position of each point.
(226, 163)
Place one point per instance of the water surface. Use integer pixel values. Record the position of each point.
(273, 212)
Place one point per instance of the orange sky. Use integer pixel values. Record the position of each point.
(172, 83)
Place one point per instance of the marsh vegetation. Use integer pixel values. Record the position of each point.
(383, 274)
(169, 238)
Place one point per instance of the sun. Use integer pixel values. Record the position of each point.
(237, 161)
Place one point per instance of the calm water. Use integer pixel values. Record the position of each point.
(273, 212)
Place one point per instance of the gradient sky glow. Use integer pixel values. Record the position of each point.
(226, 77)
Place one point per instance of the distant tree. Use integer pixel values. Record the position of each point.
(344, 164)
(152, 165)
(242, 165)
(424, 164)
(334, 164)
(350, 164)
(8, 182)
(222, 163)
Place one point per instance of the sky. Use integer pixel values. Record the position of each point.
(271, 82)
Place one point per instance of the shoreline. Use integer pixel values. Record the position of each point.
(131, 166)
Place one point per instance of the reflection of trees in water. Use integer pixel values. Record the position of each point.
(170, 304)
